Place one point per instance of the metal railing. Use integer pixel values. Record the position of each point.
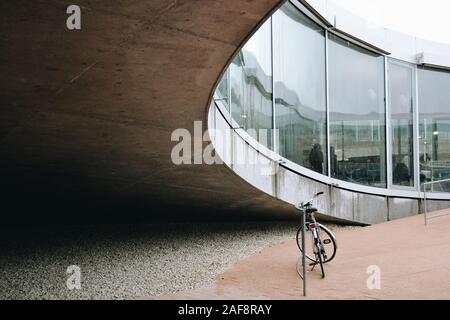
(425, 199)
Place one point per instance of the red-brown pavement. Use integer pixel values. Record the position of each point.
(413, 259)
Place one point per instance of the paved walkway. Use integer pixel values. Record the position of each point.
(414, 261)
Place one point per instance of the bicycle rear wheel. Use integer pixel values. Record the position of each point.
(328, 240)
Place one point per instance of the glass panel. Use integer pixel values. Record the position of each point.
(222, 89)
(357, 114)
(401, 93)
(299, 66)
(251, 86)
(434, 127)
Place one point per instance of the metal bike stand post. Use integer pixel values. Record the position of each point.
(304, 251)
(425, 204)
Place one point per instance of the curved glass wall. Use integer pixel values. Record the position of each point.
(320, 101)
(434, 127)
(300, 89)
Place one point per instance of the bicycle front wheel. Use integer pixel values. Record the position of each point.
(327, 238)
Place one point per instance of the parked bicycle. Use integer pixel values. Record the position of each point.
(320, 243)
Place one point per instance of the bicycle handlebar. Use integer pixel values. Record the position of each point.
(309, 203)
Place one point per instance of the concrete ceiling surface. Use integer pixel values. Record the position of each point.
(86, 115)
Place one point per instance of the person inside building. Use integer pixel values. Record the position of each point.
(316, 158)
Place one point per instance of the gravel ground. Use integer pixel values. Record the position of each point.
(127, 261)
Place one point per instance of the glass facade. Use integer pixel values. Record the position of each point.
(222, 89)
(401, 98)
(293, 76)
(251, 86)
(300, 89)
(434, 126)
(357, 114)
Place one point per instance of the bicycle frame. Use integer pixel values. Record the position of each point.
(317, 244)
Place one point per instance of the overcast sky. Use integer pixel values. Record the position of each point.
(429, 19)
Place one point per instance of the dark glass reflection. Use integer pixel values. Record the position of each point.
(357, 114)
(299, 71)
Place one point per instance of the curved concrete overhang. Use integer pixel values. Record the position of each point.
(290, 182)
(87, 115)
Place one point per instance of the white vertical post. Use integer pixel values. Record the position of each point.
(327, 100)
(388, 132)
(274, 123)
(416, 130)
